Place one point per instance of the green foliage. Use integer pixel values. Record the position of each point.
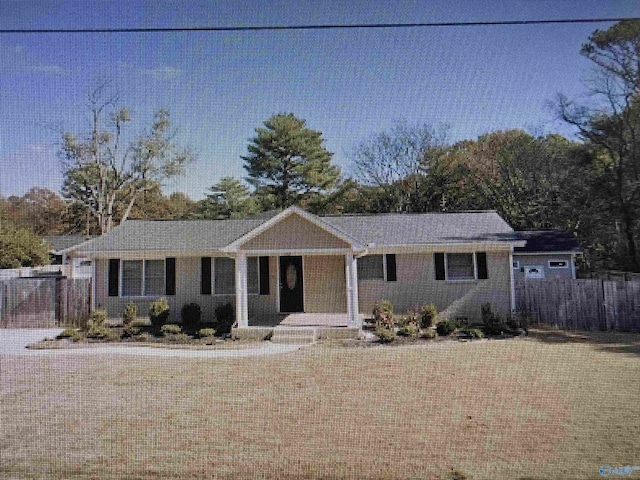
(287, 162)
(384, 334)
(159, 312)
(71, 333)
(428, 315)
(383, 314)
(191, 314)
(179, 338)
(225, 318)
(171, 329)
(474, 332)
(445, 328)
(19, 247)
(229, 198)
(492, 323)
(410, 329)
(97, 326)
(130, 331)
(130, 314)
(98, 317)
(206, 332)
(428, 333)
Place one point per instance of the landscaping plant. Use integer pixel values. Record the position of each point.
(191, 314)
(225, 318)
(428, 315)
(159, 312)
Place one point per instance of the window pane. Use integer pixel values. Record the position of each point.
(131, 278)
(154, 277)
(225, 275)
(370, 267)
(460, 266)
(253, 279)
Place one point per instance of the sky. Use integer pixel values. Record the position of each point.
(219, 86)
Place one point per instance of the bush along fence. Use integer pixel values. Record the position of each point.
(44, 302)
(590, 304)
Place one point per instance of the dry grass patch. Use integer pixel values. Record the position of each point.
(498, 409)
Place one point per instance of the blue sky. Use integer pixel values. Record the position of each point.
(219, 86)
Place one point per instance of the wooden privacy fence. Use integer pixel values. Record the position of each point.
(590, 304)
(44, 302)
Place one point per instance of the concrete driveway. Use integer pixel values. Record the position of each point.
(14, 342)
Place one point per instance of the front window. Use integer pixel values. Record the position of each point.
(370, 267)
(142, 278)
(460, 266)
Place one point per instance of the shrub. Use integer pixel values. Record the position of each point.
(71, 333)
(383, 314)
(445, 327)
(493, 324)
(179, 338)
(206, 332)
(171, 329)
(474, 332)
(130, 331)
(159, 312)
(428, 333)
(191, 314)
(225, 318)
(97, 325)
(98, 317)
(428, 314)
(384, 334)
(409, 330)
(130, 314)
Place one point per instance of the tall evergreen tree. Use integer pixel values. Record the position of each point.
(288, 164)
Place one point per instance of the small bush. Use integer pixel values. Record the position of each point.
(428, 315)
(383, 314)
(179, 338)
(130, 314)
(206, 332)
(143, 337)
(159, 312)
(474, 332)
(409, 330)
(384, 334)
(171, 329)
(225, 318)
(428, 333)
(445, 327)
(97, 325)
(130, 331)
(98, 317)
(71, 333)
(492, 323)
(191, 314)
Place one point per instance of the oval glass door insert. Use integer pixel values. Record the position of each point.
(292, 276)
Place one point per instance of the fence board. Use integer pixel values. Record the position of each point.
(44, 302)
(590, 304)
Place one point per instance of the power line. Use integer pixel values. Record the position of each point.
(313, 27)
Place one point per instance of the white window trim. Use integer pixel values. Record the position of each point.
(384, 269)
(557, 267)
(460, 280)
(235, 290)
(144, 277)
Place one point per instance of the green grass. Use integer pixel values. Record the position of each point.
(552, 405)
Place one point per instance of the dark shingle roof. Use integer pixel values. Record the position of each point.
(547, 241)
(422, 228)
(60, 242)
(374, 230)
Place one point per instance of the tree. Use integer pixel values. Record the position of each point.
(612, 126)
(20, 247)
(41, 210)
(395, 161)
(287, 163)
(229, 198)
(107, 173)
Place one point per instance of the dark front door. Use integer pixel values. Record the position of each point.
(291, 285)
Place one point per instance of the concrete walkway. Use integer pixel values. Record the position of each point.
(14, 342)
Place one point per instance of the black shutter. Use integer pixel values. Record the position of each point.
(170, 276)
(205, 275)
(264, 275)
(114, 277)
(438, 258)
(481, 263)
(391, 267)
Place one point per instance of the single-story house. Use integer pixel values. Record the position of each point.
(279, 263)
(76, 267)
(547, 254)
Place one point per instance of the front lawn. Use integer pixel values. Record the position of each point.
(551, 405)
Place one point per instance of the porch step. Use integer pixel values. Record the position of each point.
(294, 335)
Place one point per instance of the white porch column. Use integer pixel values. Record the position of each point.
(512, 283)
(242, 310)
(351, 273)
